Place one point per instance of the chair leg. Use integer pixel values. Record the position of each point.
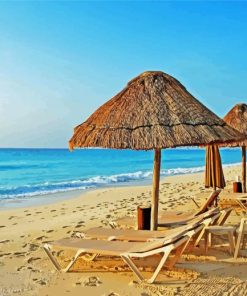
(206, 241)
(209, 239)
(179, 251)
(72, 262)
(160, 265)
(201, 234)
(231, 242)
(55, 262)
(51, 257)
(126, 258)
(176, 256)
(199, 238)
(244, 241)
(132, 266)
(238, 245)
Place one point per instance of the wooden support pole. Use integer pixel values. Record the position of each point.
(155, 194)
(244, 169)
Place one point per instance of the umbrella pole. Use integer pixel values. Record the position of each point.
(155, 193)
(244, 168)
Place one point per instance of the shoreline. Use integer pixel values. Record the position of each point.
(51, 198)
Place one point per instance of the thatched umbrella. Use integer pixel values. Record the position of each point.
(153, 111)
(237, 118)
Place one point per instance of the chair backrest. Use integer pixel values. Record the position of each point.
(209, 202)
(210, 214)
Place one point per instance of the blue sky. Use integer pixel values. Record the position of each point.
(59, 61)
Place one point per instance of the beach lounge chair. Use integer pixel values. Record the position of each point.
(242, 233)
(144, 235)
(127, 250)
(168, 219)
(171, 218)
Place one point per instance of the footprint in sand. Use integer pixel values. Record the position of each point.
(79, 225)
(19, 254)
(31, 259)
(92, 281)
(4, 241)
(20, 268)
(24, 267)
(1, 226)
(41, 237)
(53, 211)
(5, 254)
(11, 217)
(41, 282)
(49, 231)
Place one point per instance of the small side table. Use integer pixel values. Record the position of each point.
(220, 230)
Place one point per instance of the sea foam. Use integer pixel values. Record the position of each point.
(31, 190)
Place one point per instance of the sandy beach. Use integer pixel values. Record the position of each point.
(26, 270)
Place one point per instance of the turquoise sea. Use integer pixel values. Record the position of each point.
(28, 174)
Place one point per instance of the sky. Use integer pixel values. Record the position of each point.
(59, 61)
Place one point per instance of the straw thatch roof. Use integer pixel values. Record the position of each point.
(154, 110)
(237, 118)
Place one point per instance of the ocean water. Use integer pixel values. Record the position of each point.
(28, 174)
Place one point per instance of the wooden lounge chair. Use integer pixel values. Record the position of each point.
(168, 219)
(171, 218)
(242, 233)
(144, 235)
(176, 240)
